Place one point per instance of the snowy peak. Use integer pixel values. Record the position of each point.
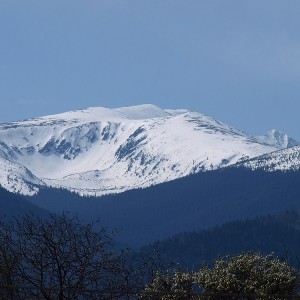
(278, 139)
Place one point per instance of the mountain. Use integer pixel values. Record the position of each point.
(158, 172)
(97, 151)
(277, 139)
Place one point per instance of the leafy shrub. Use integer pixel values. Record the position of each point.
(250, 274)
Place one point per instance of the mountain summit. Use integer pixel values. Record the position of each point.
(98, 151)
(278, 139)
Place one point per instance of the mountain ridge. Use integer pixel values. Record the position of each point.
(98, 151)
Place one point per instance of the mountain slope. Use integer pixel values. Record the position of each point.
(98, 151)
(282, 160)
(13, 205)
(17, 179)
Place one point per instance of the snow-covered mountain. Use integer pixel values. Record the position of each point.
(277, 139)
(97, 151)
(282, 160)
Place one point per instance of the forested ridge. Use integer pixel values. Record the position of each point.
(279, 234)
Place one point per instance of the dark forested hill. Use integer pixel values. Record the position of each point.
(279, 234)
(13, 205)
(192, 203)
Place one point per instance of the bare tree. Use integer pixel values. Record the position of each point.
(62, 258)
(58, 258)
(9, 260)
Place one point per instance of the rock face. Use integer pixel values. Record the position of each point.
(98, 151)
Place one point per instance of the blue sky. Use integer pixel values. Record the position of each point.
(236, 60)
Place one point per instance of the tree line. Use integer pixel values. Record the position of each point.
(272, 233)
(61, 258)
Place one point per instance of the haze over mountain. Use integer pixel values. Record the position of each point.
(96, 151)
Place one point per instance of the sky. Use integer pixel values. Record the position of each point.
(235, 60)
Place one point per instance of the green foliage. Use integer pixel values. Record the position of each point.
(251, 274)
(178, 285)
(246, 276)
